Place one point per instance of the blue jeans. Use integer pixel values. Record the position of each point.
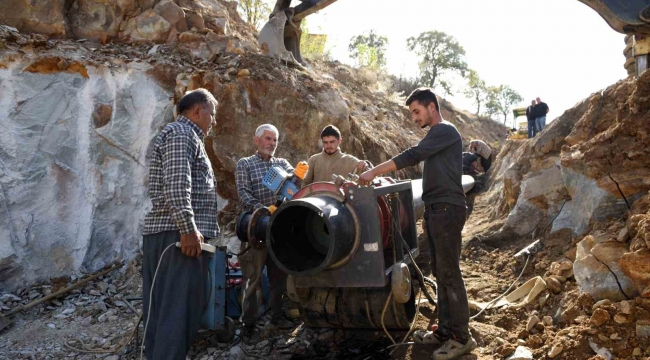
(540, 123)
(532, 129)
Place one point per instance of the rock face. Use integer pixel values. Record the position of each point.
(124, 21)
(71, 186)
(579, 160)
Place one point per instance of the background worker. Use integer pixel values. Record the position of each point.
(483, 150)
(541, 109)
(331, 161)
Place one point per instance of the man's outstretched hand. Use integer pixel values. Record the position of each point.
(366, 178)
(191, 244)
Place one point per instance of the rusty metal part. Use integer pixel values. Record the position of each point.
(356, 308)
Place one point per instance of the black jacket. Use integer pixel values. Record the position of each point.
(540, 110)
(530, 113)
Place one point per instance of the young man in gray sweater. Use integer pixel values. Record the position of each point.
(445, 214)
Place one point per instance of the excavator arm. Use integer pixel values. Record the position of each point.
(280, 36)
(627, 17)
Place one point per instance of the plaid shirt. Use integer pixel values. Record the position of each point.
(481, 148)
(181, 183)
(250, 171)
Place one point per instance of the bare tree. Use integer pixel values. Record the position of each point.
(476, 90)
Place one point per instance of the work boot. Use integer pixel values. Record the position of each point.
(452, 349)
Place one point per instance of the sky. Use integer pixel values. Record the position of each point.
(561, 51)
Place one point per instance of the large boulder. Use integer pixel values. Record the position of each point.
(173, 13)
(597, 270)
(100, 20)
(636, 266)
(127, 21)
(38, 16)
(589, 202)
(147, 27)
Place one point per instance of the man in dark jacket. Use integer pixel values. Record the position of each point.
(530, 116)
(541, 109)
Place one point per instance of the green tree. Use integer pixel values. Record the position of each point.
(501, 99)
(440, 55)
(369, 50)
(476, 90)
(256, 12)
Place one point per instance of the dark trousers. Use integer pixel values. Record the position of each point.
(252, 263)
(179, 296)
(444, 226)
(532, 129)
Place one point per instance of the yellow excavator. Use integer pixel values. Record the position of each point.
(280, 36)
(521, 131)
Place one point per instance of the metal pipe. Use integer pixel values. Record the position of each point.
(306, 236)
(418, 203)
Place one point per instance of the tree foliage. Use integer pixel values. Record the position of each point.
(501, 99)
(476, 90)
(256, 12)
(440, 55)
(369, 50)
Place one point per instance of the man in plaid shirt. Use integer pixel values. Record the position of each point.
(254, 195)
(483, 150)
(183, 192)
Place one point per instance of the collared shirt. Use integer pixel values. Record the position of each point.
(181, 183)
(323, 165)
(250, 172)
(481, 148)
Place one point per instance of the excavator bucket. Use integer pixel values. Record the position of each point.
(272, 40)
(280, 36)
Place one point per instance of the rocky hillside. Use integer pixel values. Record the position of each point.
(590, 169)
(86, 86)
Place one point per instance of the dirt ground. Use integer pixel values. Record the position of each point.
(96, 316)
